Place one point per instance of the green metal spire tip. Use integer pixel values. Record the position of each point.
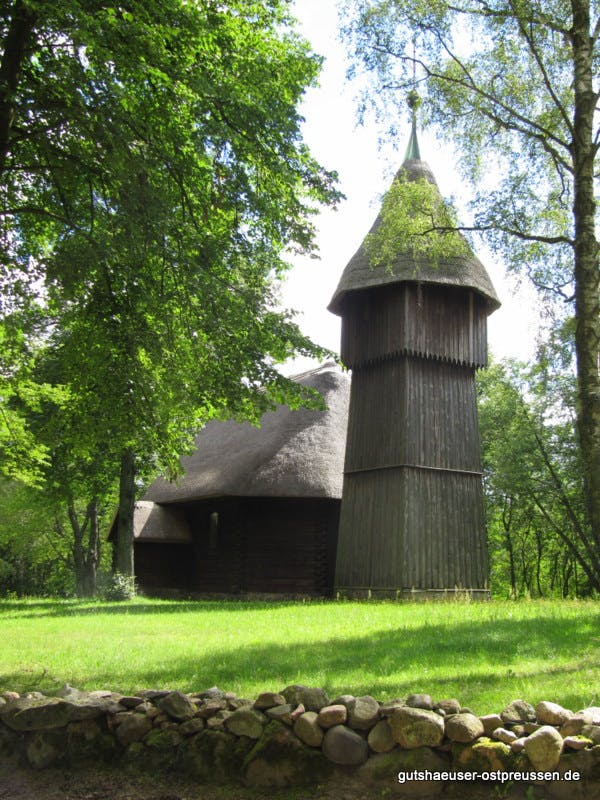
(412, 151)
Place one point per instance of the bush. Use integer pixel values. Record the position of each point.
(115, 586)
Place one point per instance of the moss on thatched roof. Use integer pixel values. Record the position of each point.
(461, 270)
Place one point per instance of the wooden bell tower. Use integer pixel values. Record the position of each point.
(413, 333)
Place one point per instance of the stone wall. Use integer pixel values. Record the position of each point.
(301, 736)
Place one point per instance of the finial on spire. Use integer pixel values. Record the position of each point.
(412, 151)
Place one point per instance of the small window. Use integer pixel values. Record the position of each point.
(213, 531)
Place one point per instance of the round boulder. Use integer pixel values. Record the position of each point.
(543, 748)
(416, 727)
(307, 729)
(281, 713)
(490, 722)
(269, 700)
(518, 711)
(464, 728)
(177, 705)
(420, 701)
(592, 715)
(246, 722)
(551, 713)
(503, 735)
(450, 706)
(312, 698)
(380, 738)
(363, 713)
(344, 746)
(332, 715)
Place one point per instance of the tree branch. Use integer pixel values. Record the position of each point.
(528, 237)
(527, 127)
(570, 545)
(538, 60)
(486, 11)
(471, 85)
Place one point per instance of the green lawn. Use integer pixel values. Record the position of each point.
(485, 654)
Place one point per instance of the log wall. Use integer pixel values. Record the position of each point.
(261, 545)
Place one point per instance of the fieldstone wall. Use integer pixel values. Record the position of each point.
(300, 736)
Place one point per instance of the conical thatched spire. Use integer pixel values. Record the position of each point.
(464, 270)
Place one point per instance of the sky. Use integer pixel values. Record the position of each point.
(366, 170)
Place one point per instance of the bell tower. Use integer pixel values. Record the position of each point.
(414, 331)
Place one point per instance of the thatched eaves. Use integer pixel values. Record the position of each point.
(293, 454)
(155, 523)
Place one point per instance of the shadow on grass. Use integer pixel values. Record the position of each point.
(463, 659)
(37, 609)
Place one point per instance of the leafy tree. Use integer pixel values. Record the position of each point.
(153, 174)
(34, 556)
(514, 84)
(538, 533)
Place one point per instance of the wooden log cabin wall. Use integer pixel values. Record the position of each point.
(413, 334)
(245, 545)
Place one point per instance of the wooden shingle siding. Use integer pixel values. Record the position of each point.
(426, 320)
(411, 516)
(407, 529)
(409, 411)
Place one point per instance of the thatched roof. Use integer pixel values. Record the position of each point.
(466, 270)
(293, 453)
(152, 522)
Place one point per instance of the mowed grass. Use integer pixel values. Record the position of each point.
(484, 654)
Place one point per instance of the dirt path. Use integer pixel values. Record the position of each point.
(110, 784)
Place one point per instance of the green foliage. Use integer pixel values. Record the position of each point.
(115, 586)
(153, 176)
(538, 536)
(34, 559)
(22, 455)
(415, 220)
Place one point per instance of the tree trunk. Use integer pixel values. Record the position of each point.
(587, 268)
(17, 41)
(124, 546)
(93, 550)
(506, 523)
(538, 563)
(78, 551)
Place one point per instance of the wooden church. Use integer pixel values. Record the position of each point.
(258, 510)
(414, 330)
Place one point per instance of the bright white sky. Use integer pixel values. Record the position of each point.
(365, 172)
